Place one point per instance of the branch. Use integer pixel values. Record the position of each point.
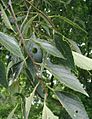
(15, 19)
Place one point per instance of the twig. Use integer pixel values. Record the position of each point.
(41, 13)
(15, 19)
(47, 18)
(18, 29)
(25, 19)
(6, 8)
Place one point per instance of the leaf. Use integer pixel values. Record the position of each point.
(82, 61)
(28, 102)
(64, 75)
(50, 49)
(28, 25)
(65, 49)
(17, 68)
(69, 22)
(5, 18)
(74, 46)
(41, 14)
(12, 113)
(3, 80)
(47, 113)
(31, 68)
(31, 74)
(73, 105)
(45, 27)
(14, 87)
(8, 68)
(10, 44)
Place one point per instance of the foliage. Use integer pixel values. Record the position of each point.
(45, 59)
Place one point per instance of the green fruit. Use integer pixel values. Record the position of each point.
(35, 51)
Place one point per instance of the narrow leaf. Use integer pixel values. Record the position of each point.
(31, 68)
(46, 28)
(3, 80)
(64, 48)
(73, 105)
(8, 68)
(82, 61)
(10, 116)
(5, 18)
(17, 68)
(31, 74)
(74, 46)
(64, 75)
(69, 22)
(50, 49)
(13, 87)
(28, 102)
(47, 113)
(11, 44)
(28, 25)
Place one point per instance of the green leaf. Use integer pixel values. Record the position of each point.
(13, 87)
(47, 113)
(46, 28)
(82, 61)
(65, 49)
(17, 68)
(74, 46)
(5, 18)
(28, 103)
(31, 74)
(50, 49)
(3, 80)
(65, 76)
(10, 116)
(69, 22)
(11, 44)
(28, 25)
(31, 68)
(8, 68)
(73, 105)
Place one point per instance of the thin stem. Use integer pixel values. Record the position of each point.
(50, 88)
(41, 13)
(5, 6)
(25, 19)
(46, 18)
(15, 19)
